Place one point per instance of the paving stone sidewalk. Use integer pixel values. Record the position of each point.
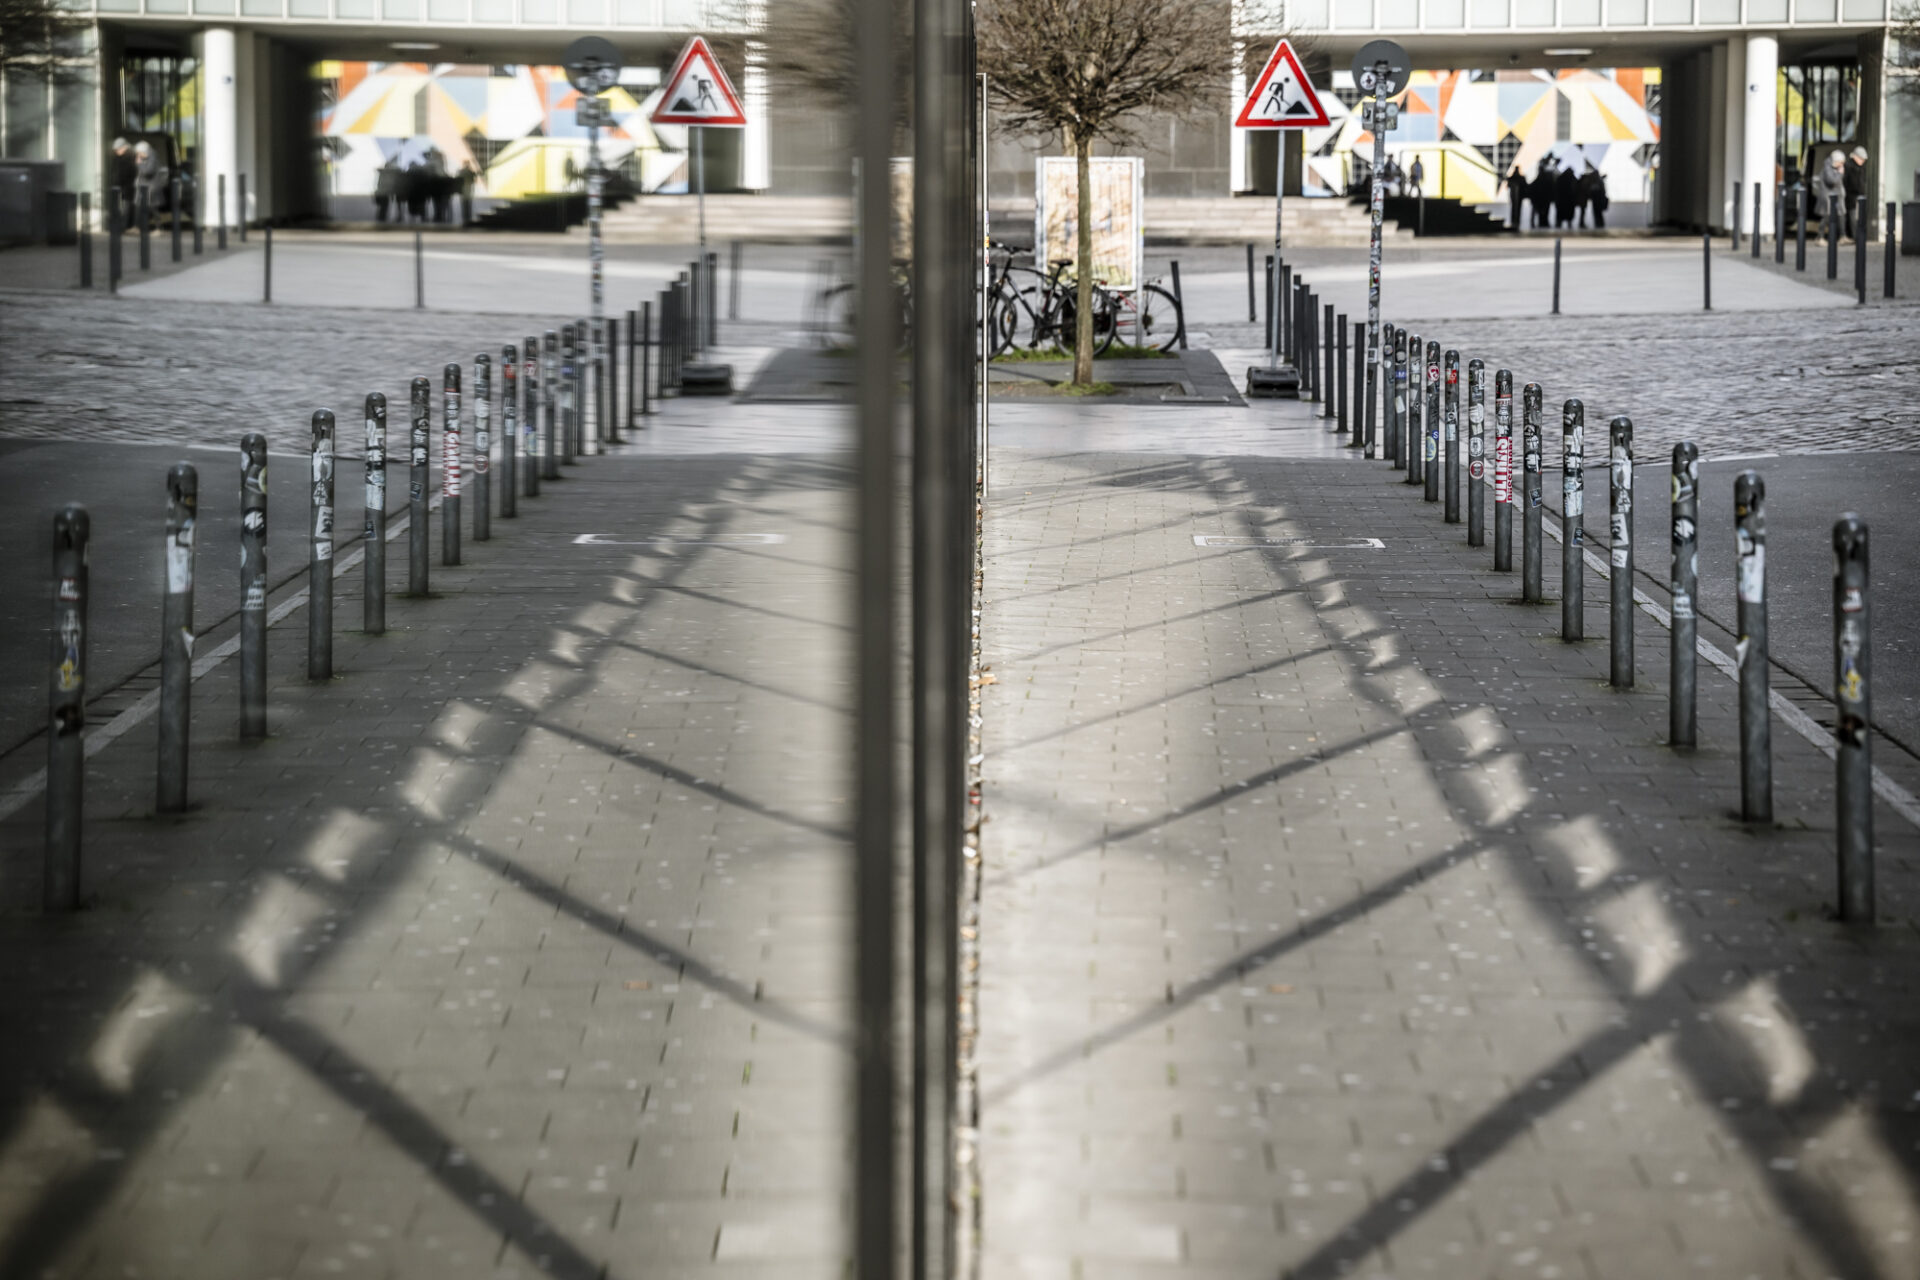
(1337, 918)
(516, 949)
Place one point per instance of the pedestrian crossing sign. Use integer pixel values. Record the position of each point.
(698, 91)
(1282, 98)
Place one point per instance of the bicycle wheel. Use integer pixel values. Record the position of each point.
(839, 323)
(1107, 306)
(1149, 319)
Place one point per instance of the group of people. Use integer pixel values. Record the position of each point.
(1842, 177)
(141, 179)
(422, 187)
(1559, 197)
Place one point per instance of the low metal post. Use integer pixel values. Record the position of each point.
(173, 215)
(1750, 585)
(1886, 288)
(176, 640)
(1366, 381)
(1755, 247)
(483, 447)
(569, 392)
(1253, 305)
(1706, 271)
(220, 190)
(1736, 217)
(1853, 734)
(733, 283)
(1556, 275)
(550, 405)
(645, 336)
(633, 365)
(1392, 393)
(1180, 308)
(241, 212)
(1620, 552)
(1450, 426)
(1272, 290)
(253, 586)
(1306, 341)
(1683, 585)
(86, 240)
(1329, 334)
(1800, 229)
(450, 464)
(116, 230)
(1573, 493)
(320, 551)
(1532, 441)
(419, 429)
(266, 276)
(419, 272)
(1431, 422)
(66, 712)
(1476, 453)
(1503, 471)
(509, 431)
(533, 392)
(1779, 224)
(1833, 216)
(143, 214)
(1338, 328)
(1860, 250)
(1412, 380)
(373, 575)
(193, 201)
(712, 300)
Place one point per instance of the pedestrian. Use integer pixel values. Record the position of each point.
(120, 177)
(466, 179)
(1516, 197)
(150, 177)
(1833, 187)
(1565, 195)
(1540, 191)
(414, 185)
(1416, 179)
(1592, 195)
(386, 190)
(1856, 186)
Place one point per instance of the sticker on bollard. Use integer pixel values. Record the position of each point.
(1416, 402)
(1430, 449)
(176, 640)
(320, 552)
(1533, 426)
(1476, 453)
(1573, 493)
(450, 464)
(419, 427)
(1503, 471)
(66, 712)
(1450, 424)
(509, 431)
(533, 388)
(373, 577)
(1682, 585)
(1750, 651)
(482, 447)
(253, 586)
(550, 404)
(1853, 731)
(1620, 552)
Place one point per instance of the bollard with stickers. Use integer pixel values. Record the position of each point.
(1853, 733)
(1750, 585)
(1573, 494)
(509, 430)
(533, 392)
(1683, 585)
(1414, 434)
(373, 576)
(1503, 471)
(66, 711)
(450, 464)
(320, 546)
(1620, 552)
(1430, 446)
(569, 390)
(1476, 453)
(253, 585)
(1533, 427)
(482, 447)
(1450, 427)
(176, 640)
(419, 428)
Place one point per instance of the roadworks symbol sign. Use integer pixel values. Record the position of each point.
(1282, 98)
(698, 91)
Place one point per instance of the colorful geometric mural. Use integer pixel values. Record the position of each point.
(1469, 128)
(514, 125)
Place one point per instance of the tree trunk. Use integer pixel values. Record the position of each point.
(1083, 262)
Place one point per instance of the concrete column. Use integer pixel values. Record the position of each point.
(1237, 178)
(756, 156)
(1719, 198)
(1733, 139)
(220, 126)
(1762, 78)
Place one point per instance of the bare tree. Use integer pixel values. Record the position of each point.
(1086, 71)
(1903, 50)
(40, 39)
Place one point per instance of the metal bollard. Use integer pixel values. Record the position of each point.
(1735, 229)
(176, 640)
(266, 279)
(1860, 250)
(712, 300)
(116, 230)
(1430, 445)
(419, 425)
(569, 393)
(1253, 305)
(644, 335)
(1620, 552)
(1886, 288)
(253, 586)
(419, 273)
(173, 214)
(1852, 695)
(241, 180)
(320, 552)
(1779, 224)
(1339, 329)
(1271, 292)
(220, 238)
(1683, 583)
(1556, 275)
(1450, 426)
(1179, 303)
(509, 431)
(1756, 729)
(483, 447)
(1476, 453)
(450, 464)
(143, 214)
(1503, 471)
(1573, 493)
(86, 240)
(1391, 394)
(199, 243)
(1800, 229)
(1413, 441)
(550, 404)
(66, 711)
(1706, 271)
(733, 283)
(1329, 381)
(373, 577)
(1756, 222)
(532, 389)
(1833, 237)
(1533, 427)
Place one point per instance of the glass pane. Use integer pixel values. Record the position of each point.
(26, 117)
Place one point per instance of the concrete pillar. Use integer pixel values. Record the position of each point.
(1718, 197)
(1762, 78)
(1238, 179)
(1733, 139)
(756, 156)
(220, 126)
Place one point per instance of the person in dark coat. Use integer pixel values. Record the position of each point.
(1566, 194)
(1516, 197)
(386, 191)
(1540, 190)
(125, 170)
(414, 184)
(1592, 194)
(1855, 186)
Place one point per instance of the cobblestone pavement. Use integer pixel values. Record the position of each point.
(1338, 919)
(516, 949)
(1829, 382)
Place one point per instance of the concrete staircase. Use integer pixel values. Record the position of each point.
(1309, 223)
(759, 219)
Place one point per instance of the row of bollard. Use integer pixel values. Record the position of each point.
(1421, 437)
(1834, 217)
(182, 193)
(540, 385)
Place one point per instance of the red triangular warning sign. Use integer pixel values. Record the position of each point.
(698, 91)
(1282, 98)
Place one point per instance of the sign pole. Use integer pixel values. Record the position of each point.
(1279, 204)
(597, 252)
(700, 183)
(1376, 206)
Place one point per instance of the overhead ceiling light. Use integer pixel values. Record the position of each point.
(1551, 53)
(411, 45)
